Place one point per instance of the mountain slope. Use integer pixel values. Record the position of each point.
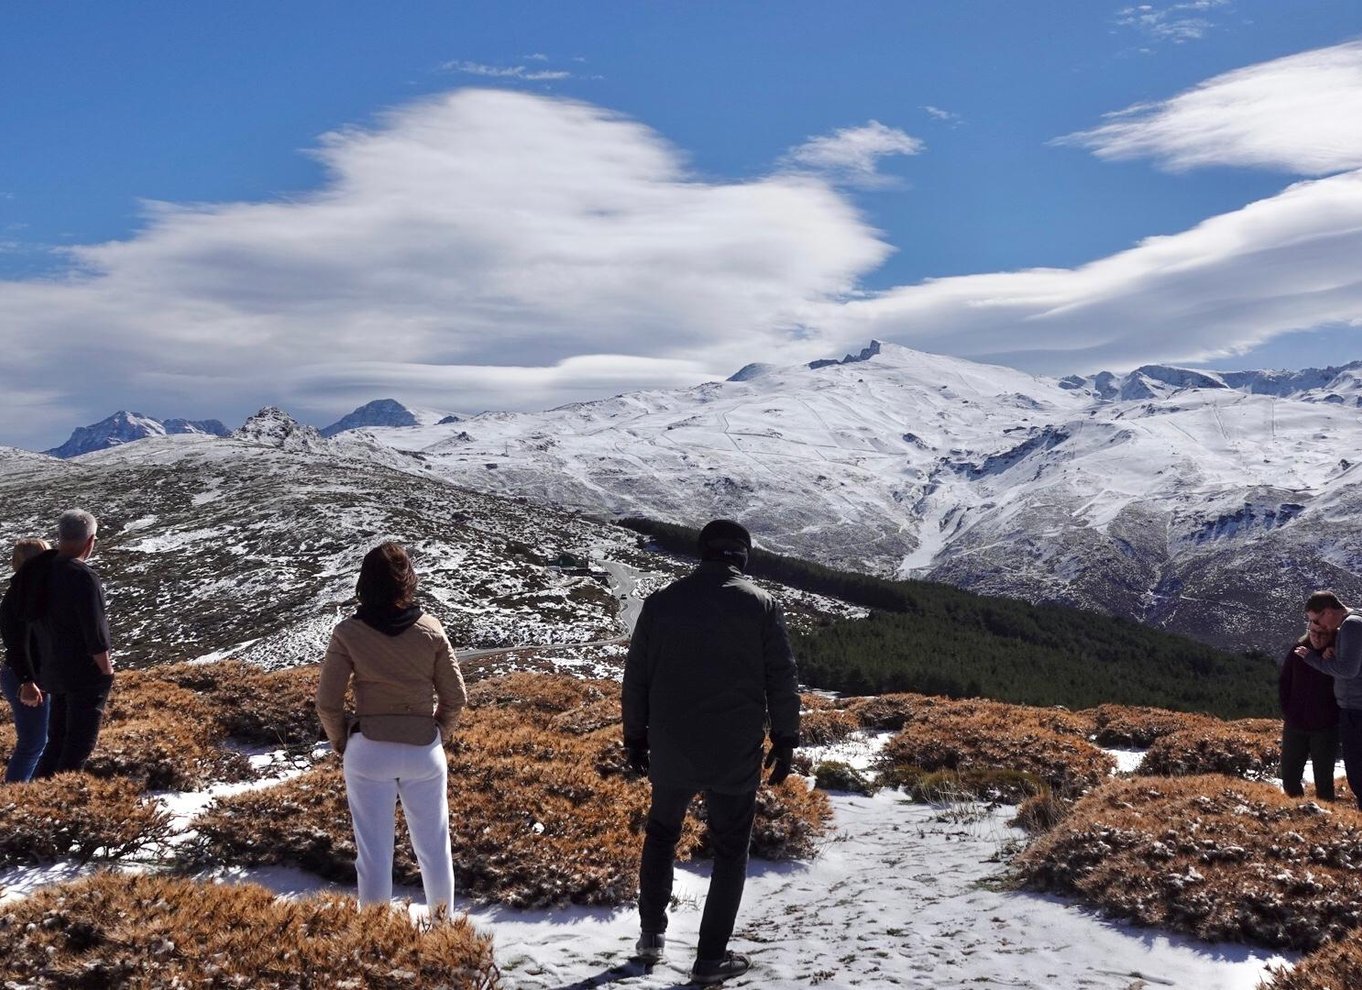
(1188, 503)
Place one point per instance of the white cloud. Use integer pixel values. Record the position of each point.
(936, 113)
(1178, 22)
(508, 71)
(853, 154)
(484, 229)
(1300, 114)
(1237, 280)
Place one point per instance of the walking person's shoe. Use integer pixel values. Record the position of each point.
(650, 947)
(708, 972)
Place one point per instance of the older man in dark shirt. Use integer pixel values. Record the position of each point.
(63, 602)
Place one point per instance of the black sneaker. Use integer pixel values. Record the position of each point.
(650, 947)
(708, 972)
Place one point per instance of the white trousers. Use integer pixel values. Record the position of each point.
(377, 774)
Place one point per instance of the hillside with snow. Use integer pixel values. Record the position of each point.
(1203, 503)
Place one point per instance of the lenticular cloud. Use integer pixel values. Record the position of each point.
(1298, 114)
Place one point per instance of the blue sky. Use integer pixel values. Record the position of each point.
(511, 205)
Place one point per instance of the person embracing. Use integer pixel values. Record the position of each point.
(408, 693)
(709, 667)
(1327, 615)
(1309, 720)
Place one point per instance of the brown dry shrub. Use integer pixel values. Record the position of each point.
(163, 751)
(1136, 727)
(251, 705)
(589, 717)
(1332, 967)
(995, 750)
(162, 736)
(534, 821)
(1041, 812)
(74, 816)
(887, 711)
(1246, 748)
(1221, 858)
(553, 693)
(143, 932)
(824, 726)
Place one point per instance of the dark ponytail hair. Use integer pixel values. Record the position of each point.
(386, 578)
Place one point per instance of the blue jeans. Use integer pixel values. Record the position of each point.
(30, 726)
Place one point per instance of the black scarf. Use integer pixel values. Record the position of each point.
(390, 621)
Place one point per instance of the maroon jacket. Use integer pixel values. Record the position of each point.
(1307, 696)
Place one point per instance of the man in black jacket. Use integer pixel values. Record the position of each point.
(709, 668)
(62, 602)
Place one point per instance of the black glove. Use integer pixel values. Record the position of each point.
(638, 755)
(780, 758)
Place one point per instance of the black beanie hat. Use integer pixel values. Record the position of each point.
(725, 540)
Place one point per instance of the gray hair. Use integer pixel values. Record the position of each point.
(76, 526)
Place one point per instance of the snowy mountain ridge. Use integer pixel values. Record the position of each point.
(1206, 504)
(126, 427)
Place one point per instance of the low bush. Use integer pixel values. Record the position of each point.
(1334, 967)
(74, 816)
(1135, 727)
(536, 819)
(1220, 858)
(1041, 812)
(251, 705)
(992, 750)
(834, 775)
(144, 932)
(538, 692)
(825, 726)
(1246, 748)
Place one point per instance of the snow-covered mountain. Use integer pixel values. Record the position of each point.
(1208, 504)
(385, 412)
(249, 546)
(125, 427)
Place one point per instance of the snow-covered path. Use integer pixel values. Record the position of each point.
(905, 895)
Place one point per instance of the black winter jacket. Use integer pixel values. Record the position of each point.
(709, 668)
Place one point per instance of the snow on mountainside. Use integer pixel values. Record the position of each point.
(1169, 496)
(250, 548)
(125, 427)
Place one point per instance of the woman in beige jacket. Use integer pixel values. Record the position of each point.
(408, 692)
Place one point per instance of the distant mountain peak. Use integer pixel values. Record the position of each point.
(275, 428)
(866, 354)
(379, 412)
(126, 426)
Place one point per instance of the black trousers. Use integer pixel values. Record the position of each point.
(1350, 735)
(1321, 746)
(730, 832)
(73, 728)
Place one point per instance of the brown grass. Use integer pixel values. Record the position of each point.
(73, 816)
(994, 750)
(250, 705)
(1246, 748)
(1136, 727)
(1220, 858)
(824, 726)
(539, 815)
(146, 933)
(1336, 966)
